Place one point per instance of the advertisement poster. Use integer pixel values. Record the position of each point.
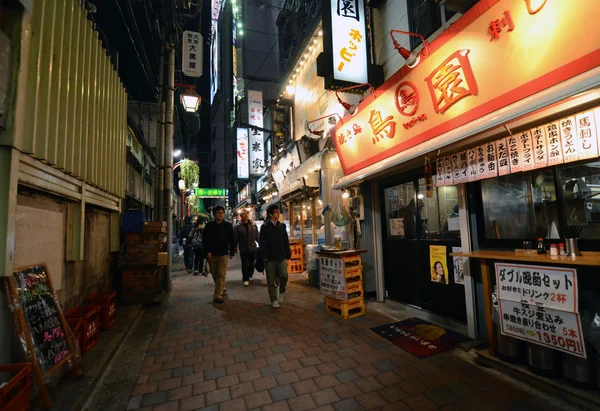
(555, 329)
(333, 281)
(397, 227)
(459, 264)
(437, 264)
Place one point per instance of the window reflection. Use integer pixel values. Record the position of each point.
(401, 211)
(581, 187)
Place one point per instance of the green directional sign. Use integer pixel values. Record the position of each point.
(212, 192)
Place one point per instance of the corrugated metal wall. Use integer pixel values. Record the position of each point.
(367, 241)
(76, 106)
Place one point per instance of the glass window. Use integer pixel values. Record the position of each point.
(520, 206)
(401, 211)
(425, 17)
(580, 185)
(439, 217)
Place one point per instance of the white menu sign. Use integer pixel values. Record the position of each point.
(514, 154)
(332, 278)
(481, 164)
(464, 167)
(472, 158)
(540, 148)
(537, 285)
(242, 153)
(439, 169)
(555, 152)
(526, 151)
(586, 133)
(556, 329)
(448, 180)
(491, 167)
(503, 157)
(349, 41)
(456, 176)
(255, 118)
(568, 135)
(191, 54)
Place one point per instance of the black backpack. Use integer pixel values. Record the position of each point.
(197, 239)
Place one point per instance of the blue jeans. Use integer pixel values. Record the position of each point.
(276, 272)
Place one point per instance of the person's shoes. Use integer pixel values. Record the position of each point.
(279, 297)
(246, 283)
(275, 304)
(196, 273)
(218, 301)
(189, 271)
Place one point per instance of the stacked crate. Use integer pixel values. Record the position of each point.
(142, 263)
(355, 304)
(296, 263)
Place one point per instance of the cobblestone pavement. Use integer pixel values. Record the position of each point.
(246, 355)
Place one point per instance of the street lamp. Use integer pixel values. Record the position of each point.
(189, 99)
(176, 153)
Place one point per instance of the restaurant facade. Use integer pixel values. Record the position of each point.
(485, 146)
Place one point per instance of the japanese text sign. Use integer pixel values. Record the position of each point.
(349, 40)
(333, 281)
(539, 286)
(466, 76)
(556, 329)
(191, 53)
(212, 192)
(242, 153)
(256, 138)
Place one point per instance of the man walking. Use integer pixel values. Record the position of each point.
(186, 243)
(275, 248)
(219, 241)
(247, 236)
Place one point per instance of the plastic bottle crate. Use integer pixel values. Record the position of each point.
(76, 325)
(345, 309)
(297, 251)
(91, 324)
(295, 266)
(14, 396)
(353, 275)
(355, 290)
(108, 303)
(352, 262)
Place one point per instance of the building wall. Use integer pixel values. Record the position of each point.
(391, 15)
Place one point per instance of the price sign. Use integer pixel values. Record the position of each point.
(333, 281)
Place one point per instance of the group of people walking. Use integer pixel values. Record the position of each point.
(218, 241)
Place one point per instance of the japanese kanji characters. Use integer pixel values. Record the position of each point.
(348, 8)
(347, 53)
(451, 81)
(381, 127)
(496, 26)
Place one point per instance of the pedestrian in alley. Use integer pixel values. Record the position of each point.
(185, 243)
(219, 242)
(195, 239)
(247, 236)
(275, 248)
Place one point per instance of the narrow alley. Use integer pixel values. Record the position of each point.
(245, 355)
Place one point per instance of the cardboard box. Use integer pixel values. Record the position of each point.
(155, 227)
(163, 259)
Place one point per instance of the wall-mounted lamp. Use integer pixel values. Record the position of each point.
(189, 99)
(321, 133)
(351, 108)
(412, 58)
(345, 193)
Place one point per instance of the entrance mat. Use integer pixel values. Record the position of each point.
(419, 337)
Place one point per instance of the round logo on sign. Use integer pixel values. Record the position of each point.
(407, 99)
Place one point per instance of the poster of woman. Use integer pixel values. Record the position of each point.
(437, 261)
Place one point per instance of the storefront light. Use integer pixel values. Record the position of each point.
(321, 133)
(351, 108)
(320, 33)
(345, 194)
(420, 196)
(290, 90)
(412, 58)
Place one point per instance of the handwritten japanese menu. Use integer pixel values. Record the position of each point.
(569, 139)
(539, 304)
(41, 313)
(333, 281)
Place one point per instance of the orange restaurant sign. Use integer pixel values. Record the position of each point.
(498, 53)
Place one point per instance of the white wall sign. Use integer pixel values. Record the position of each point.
(255, 118)
(332, 278)
(456, 176)
(349, 40)
(586, 133)
(464, 167)
(448, 178)
(242, 153)
(503, 157)
(491, 167)
(568, 135)
(536, 285)
(192, 54)
(459, 266)
(526, 150)
(555, 152)
(556, 329)
(481, 164)
(514, 154)
(540, 147)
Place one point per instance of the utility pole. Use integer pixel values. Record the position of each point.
(168, 169)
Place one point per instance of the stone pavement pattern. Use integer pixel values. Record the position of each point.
(246, 355)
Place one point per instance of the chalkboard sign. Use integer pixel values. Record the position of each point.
(46, 337)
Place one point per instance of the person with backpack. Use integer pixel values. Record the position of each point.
(198, 250)
(185, 242)
(247, 236)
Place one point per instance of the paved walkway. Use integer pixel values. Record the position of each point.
(245, 355)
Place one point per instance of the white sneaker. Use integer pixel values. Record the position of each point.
(276, 304)
(246, 283)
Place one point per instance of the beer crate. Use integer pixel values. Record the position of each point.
(139, 285)
(353, 261)
(90, 315)
(15, 392)
(297, 251)
(295, 266)
(355, 290)
(345, 309)
(108, 306)
(353, 275)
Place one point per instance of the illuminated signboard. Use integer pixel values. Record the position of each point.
(242, 153)
(476, 67)
(192, 54)
(212, 192)
(347, 40)
(214, 48)
(255, 118)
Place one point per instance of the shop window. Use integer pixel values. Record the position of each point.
(425, 17)
(580, 185)
(401, 211)
(439, 218)
(520, 206)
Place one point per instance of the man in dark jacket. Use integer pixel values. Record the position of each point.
(247, 236)
(275, 247)
(186, 243)
(219, 241)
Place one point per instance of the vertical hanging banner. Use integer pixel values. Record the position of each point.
(569, 139)
(526, 151)
(440, 174)
(346, 37)
(481, 165)
(191, 54)
(555, 152)
(456, 176)
(586, 132)
(491, 160)
(255, 118)
(540, 147)
(503, 157)
(449, 180)
(514, 154)
(242, 153)
(472, 158)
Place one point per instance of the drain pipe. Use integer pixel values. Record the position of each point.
(168, 191)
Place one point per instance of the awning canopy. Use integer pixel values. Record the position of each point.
(305, 175)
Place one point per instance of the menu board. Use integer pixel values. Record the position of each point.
(46, 338)
(333, 280)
